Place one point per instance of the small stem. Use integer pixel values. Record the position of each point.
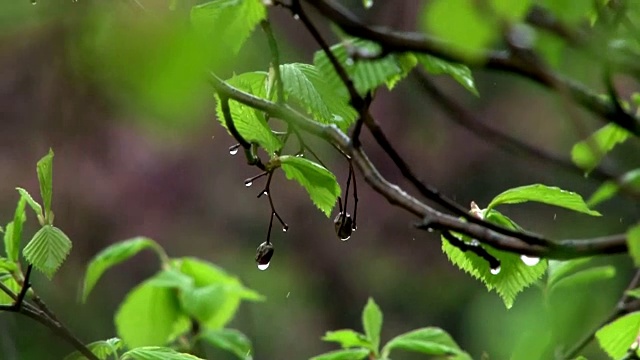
(275, 59)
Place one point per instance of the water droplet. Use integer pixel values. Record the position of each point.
(430, 230)
(263, 255)
(300, 155)
(529, 260)
(296, 17)
(343, 225)
(345, 238)
(368, 4)
(554, 216)
(495, 271)
(349, 62)
(248, 183)
(289, 293)
(285, 228)
(265, 193)
(263, 266)
(474, 242)
(234, 149)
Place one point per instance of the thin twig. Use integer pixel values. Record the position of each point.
(275, 59)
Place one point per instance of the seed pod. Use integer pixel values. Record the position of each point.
(343, 225)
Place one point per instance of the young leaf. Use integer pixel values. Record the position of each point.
(172, 278)
(560, 269)
(147, 316)
(45, 178)
(207, 277)
(544, 194)
(156, 353)
(227, 22)
(47, 250)
(307, 86)
(610, 188)
(460, 73)
(372, 323)
(113, 255)
(7, 265)
(584, 277)
(13, 235)
(24, 194)
(588, 153)
(319, 182)
(101, 349)
(348, 338)
(228, 339)
(345, 354)
(511, 10)
(513, 276)
(250, 123)
(12, 285)
(368, 74)
(617, 337)
(634, 293)
(430, 341)
(633, 242)
(470, 31)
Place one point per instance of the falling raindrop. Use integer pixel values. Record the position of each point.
(554, 217)
(263, 255)
(296, 17)
(285, 228)
(234, 149)
(248, 183)
(289, 293)
(495, 271)
(343, 225)
(529, 261)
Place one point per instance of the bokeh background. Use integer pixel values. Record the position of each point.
(119, 94)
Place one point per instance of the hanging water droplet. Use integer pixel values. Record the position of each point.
(474, 242)
(430, 230)
(530, 260)
(495, 271)
(248, 183)
(296, 17)
(265, 193)
(285, 228)
(234, 149)
(343, 225)
(263, 255)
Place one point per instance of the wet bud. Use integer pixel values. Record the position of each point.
(263, 255)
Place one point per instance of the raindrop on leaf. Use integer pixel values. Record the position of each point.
(529, 261)
(343, 225)
(263, 255)
(495, 271)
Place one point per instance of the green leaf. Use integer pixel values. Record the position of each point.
(10, 283)
(102, 349)
(156, 353)
(228, 339)
(207, 276)
(609, 188)
(372, 323)
(45, 178)
(172, 278)
(250, 123)
(348, 338)
(588, 153)
(469, 31)
(13, 235)
(227, 22)
(560, 269)
(617, 337)
(319, 182)
(634, 293)
(633, 242)
(113, 255)
(584, 277)
(511, 10)
(47, 250)
(571, 11)
(460, 73)
(367, 75)
(7, 265)
(430, 341)
(550, 195)
(147, 316)
(514, 275)
(345, 354)
(307, 86)
(24, 194)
